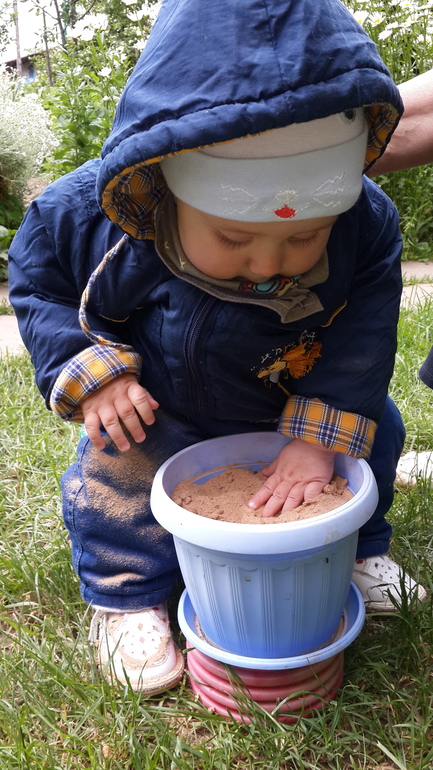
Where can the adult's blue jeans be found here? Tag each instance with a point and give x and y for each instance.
(123, 558)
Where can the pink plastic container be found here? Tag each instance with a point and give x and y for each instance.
(300, 691)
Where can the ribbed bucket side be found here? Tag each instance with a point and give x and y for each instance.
(268, 606)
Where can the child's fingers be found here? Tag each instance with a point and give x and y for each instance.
(110, 419)
(267, 470)
(263, 495)
(143, 402)
(285, 497)
(120, 405)
(125, 418)
(92, 424)
(298, 473)
(126, 412)
(313, 489)
(276, 497)
(136, 403)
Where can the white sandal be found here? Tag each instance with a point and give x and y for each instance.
(379, 579)
(136, 649)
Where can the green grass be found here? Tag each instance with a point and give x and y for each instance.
(57, 713)
(416, 281)
(414, 399)
(6, 308)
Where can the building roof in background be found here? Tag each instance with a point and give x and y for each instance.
(30, 31)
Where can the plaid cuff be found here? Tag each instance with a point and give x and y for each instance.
(381, 119)
(318, 423)
(87, 372)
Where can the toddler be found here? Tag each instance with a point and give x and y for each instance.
(251, 281)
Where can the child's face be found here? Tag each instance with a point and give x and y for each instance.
(256, 251)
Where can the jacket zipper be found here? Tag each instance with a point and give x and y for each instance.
(194, 369)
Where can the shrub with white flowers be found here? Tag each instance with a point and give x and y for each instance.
(26, 137)
(403, 33)
(402, 30)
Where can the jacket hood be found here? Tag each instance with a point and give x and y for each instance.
(213, 71)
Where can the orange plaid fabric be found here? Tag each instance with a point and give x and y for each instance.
(381, 120)
(318, 423)
(87, 372)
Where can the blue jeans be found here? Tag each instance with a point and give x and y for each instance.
(375, 535)
(123, 558)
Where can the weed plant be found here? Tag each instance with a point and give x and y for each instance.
(57, 713)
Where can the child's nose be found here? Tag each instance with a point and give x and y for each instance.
(267, 262)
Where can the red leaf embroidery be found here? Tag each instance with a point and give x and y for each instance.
(285, 212)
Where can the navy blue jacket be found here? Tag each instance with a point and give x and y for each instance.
(210, 72)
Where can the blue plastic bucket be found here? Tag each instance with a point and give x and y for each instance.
(352, 622)
(263, 591)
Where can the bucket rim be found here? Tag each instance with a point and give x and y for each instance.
(231, 537)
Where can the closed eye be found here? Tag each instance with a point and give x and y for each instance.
(304, 241)
(229, 242)
(232, 244)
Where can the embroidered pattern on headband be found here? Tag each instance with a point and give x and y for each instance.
(328, 195)
(286, 197)
(327, 192)
(244, 200)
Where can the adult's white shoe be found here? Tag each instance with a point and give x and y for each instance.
(414, 466)
(136, 648)
(379, 579)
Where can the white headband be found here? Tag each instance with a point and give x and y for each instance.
(303, 171)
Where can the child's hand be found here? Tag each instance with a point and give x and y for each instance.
(300, 472)
(121, 399)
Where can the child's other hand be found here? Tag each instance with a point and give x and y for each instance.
(300, 472)
(121, 399)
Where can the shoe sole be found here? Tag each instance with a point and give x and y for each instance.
(154, 686)
(390, 607)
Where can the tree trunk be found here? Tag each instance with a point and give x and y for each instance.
(47, 52)
(17, 39)
(60, 23)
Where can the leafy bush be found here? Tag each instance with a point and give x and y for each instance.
(26, 139)
(90, 73)
(6, 236)
(403, 33)
(90, 79)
